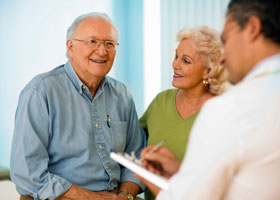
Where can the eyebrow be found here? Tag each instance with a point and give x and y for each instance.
(95, 38)
(186, 55)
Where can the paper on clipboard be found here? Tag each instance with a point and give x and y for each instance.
(157, 180)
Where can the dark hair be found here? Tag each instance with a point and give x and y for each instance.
(268, 11)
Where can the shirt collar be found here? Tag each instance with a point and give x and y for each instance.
(267, 66)
(103, 82)
(73, 76)
(79, 85)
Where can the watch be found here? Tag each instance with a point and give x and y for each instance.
(127, 194)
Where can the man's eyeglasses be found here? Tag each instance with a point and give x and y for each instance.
(109, 45)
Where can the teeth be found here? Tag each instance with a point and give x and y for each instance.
(98, 61)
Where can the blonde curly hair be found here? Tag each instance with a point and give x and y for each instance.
(207, 42)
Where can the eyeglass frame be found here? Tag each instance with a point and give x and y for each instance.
(87, 42)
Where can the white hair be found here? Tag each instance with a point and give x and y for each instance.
(71, 30)
(207, 42)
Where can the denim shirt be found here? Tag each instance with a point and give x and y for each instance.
(63, 136)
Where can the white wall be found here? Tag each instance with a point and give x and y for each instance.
(32, 41)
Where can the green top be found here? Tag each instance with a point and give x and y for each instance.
(161, 121)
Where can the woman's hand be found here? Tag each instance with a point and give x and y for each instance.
(162, 162)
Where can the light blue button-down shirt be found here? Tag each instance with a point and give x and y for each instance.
(63, 136)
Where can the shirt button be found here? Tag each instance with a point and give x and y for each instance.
(100, 146)
(96, 125)
(81, 92)
(109, 186)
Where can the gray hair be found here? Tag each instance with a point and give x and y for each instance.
(71, 30)
(266, 10)
(207, 42)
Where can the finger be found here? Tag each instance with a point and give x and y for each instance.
(145, 163)
(147, 149)
(166, 152)
(155, 169)
(162, 156)
(154, 157)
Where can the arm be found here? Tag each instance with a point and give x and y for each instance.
(76, 192)
(29, 155)
(136, 141)
(129, 187)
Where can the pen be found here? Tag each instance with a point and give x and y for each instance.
(154, 149)
(108, 121)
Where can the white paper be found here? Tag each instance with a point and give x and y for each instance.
(157, 180)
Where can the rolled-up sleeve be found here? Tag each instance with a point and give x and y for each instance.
(29, 154)
(136, 141)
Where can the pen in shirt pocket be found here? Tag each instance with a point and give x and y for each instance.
(108, 121)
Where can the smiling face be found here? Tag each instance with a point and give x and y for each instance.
(91, 64)
(188, 66)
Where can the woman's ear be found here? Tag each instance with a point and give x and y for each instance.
(206, 73)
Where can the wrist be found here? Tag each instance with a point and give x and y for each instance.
(126, 194)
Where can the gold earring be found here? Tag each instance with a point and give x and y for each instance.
(205, 82)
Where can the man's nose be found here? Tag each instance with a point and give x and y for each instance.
(101, 49)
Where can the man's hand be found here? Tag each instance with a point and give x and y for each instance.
(78, 193)
(162, 161)
(130, 187)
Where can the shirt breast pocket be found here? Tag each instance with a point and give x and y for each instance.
(118, 135)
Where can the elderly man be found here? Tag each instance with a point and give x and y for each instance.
(68, 121)
(234, 151)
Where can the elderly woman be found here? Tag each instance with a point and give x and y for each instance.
(198, 76)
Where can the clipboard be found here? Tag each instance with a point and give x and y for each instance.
(157, 180)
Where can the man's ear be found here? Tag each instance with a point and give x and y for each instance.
(254, 27)
(69, 45)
